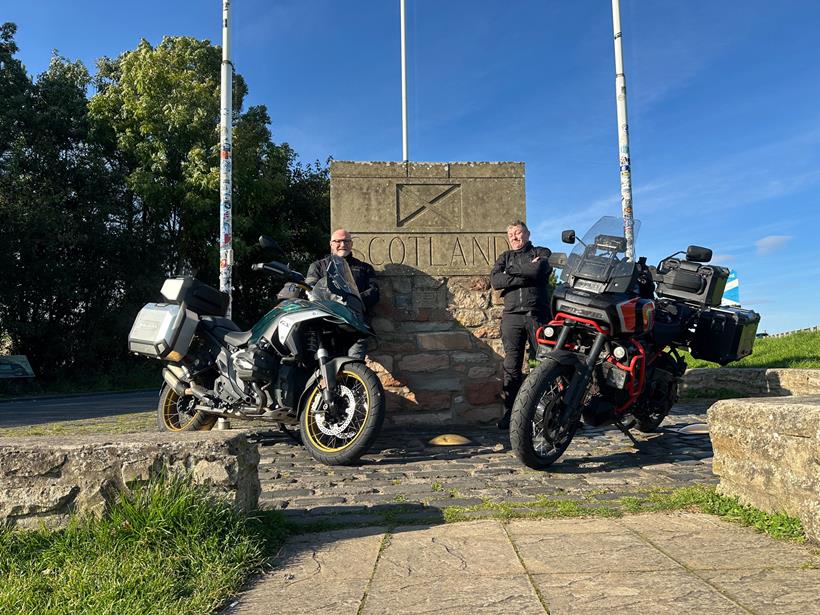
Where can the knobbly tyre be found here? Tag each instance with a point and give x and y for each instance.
(291, 368)
(610, 354)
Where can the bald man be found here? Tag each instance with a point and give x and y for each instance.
(341, 244)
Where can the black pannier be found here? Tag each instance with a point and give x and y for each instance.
(724, 334)
(702, 285)
(198, 297)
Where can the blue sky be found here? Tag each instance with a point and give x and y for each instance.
(724, 106)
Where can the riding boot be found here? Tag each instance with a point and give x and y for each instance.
(504, 421)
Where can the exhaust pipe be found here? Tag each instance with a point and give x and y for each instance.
(172, 381)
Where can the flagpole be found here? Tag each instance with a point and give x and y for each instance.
(623, 136)
(225, 164)
(405, 156)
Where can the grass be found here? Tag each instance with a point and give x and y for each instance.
(169, 547)
(798, 350)
(121, 423)
(698, 499)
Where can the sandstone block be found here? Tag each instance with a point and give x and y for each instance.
(754, 382)
(383, 325)
(482, 372)
(444, 341)
(483, 393)
(488, 332)
(470, 318)
(379, 363)
(424, 362)
(469, 299)
(767, 452)
(47, 479)
(431, 401)
(470, 357)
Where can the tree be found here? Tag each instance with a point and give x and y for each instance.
(57, 200)
(102, 199)
(160, 106)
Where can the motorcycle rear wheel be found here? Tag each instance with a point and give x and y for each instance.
(342, 440)
(536, 436)
(174, 413)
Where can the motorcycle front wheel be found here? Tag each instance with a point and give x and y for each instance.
(537, 435)
(340, 437)
(175, 413)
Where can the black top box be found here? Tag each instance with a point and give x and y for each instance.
(701, 285)
(197, 296)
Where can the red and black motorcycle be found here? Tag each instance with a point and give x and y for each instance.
(610, 354)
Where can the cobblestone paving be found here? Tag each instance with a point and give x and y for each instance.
(405, 474)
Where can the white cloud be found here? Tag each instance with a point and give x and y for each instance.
(723, 259)
(771, 244)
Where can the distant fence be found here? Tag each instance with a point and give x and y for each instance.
(785, 333)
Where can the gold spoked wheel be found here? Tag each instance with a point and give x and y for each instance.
(341, 435)
(176, 413)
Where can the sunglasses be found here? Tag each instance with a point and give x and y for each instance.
(341, 241)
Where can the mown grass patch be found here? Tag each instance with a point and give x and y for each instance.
(798, 350)
(118, 424)
(707, 500)
(699, 498)
(540, 508)
(169, 547)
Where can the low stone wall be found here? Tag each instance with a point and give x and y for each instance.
(44, 480)
(752, 382)
(767, 453)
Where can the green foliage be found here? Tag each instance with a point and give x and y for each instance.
(800, 349)
(169, 547)
(707, 500)
(101, 199)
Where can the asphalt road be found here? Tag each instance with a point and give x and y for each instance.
(73, 407)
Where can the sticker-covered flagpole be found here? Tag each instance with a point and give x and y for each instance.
(225, 160)
(404, 152)
(623, 136)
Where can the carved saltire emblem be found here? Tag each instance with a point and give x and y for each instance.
(436, 206)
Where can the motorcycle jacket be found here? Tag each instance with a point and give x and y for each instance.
(524, 283)
(363, 274)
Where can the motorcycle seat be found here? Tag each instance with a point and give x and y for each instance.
(218, 322)
(237, 338)
(226, 330)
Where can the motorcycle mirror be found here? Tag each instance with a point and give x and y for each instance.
(568, 236)
(267, 242)
(698, 254)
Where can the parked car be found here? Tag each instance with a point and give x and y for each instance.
(11, 369)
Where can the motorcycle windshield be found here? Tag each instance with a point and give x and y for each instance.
(338, 285)
(601, 255)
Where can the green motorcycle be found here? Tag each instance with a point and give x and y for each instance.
(291, 368)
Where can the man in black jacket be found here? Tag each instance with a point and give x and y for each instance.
(522, 275)
(341, 244)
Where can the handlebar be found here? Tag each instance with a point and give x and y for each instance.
(279, 269)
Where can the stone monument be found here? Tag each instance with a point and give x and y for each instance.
(433, 231)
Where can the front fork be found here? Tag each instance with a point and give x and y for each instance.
(328, 376)
(581, 377)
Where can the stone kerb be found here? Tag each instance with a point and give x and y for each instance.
(44, 480)
(753, 382)
(432, 231)
(767, 453)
